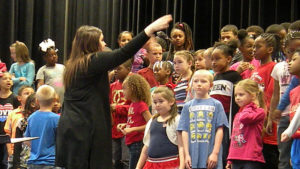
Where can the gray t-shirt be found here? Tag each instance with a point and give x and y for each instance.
(53, 76)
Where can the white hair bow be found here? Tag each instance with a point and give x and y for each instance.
(46, 44)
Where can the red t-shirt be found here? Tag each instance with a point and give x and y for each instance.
(135, 119)
(295, 102)
(265, 81)
(148, 74)
(116, 96)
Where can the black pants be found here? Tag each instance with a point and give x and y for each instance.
(271, 155)
(225, 145)
(240, 164)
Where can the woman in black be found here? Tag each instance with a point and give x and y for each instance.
(84, 129)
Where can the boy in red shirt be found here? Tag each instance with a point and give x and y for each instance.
(154, 54)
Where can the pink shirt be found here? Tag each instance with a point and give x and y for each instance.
(247, 73)
(135, 119)
(246, 138)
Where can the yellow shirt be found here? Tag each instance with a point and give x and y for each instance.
(11, 125)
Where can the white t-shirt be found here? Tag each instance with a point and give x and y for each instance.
(281, 74)
(53, 76)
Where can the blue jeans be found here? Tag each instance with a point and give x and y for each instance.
(284, 148)
(120, 153)
(35, 166)
(135, 152)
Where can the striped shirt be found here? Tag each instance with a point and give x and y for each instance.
(180, 94)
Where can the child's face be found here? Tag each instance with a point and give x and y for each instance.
(227, 36)
(56, 105)
(34, 105)
(125, 38)
(294, 67)
(219, 61)
(154, 54)
(25, 93)
(102, 44)
(207, 59)
(181, 65)
(201, 84)
(126, 91)
(121, 72)
(247, 49)
(161, 74)
(13, 53)
(261, 50)
(161, 105)
(200, 62)
(6, 81)
(242, 97)
(177, 37)
(291, 47)
(51, 58)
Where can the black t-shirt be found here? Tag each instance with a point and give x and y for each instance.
(6, 106)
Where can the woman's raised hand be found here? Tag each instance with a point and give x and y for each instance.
(159, 24)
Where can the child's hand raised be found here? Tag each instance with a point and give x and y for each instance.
(212, 161)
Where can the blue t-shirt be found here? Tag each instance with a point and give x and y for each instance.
(42, 125)
(201, 118)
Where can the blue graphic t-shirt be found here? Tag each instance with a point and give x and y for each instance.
(201, 118)
(6, 106)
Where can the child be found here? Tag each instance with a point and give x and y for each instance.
(23, 70)
(295, 102)
(43, 124)
(12, 50)
(56, 105)
(181, 39)
(51, 73)
(183, 61)
(282, 79)
(281, 32)
(223, 86)
(119, 109)
(22, 150)
(201, 123)
(229, 33)
(136, 89)
(254, 31)
(246, 140)
(264, 46)
(154, 54)
(248, 63)
(207, 57)
(163, 71)
(163, 144)
(124, 37)
(199, 60)
(8, 102)
(13, 118)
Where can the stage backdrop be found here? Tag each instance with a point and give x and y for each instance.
(31, 21)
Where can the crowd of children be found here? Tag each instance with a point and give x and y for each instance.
(234, 105)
